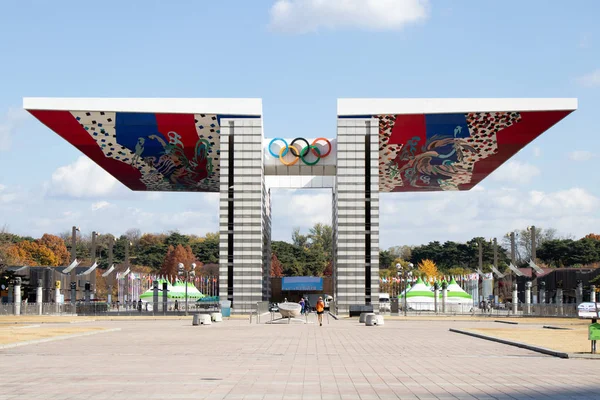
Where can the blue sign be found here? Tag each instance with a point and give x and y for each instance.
(302, 283)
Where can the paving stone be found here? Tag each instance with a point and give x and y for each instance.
(172, 359)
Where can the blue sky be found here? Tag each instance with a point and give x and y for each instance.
(299, 57)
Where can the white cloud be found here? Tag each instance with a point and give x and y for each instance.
(10, 196)
(581, 155)
(302, 16)
(460, 216)
(515, 172)
(83, 179)
(8, 125)
(590, 80)
(100, 205)
(298, 209)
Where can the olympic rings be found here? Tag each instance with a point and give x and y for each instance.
(300, 153)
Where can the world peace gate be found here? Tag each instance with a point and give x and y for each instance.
(218, 145)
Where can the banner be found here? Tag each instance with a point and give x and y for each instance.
(302, 283)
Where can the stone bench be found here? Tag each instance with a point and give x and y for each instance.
(363, 317)
(201, 319)
(373, 320)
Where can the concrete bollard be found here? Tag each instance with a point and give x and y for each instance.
(374, 320)
(363, 317)
(17, 295)
(196, 320)
(204, 319)
(542, 286)
(216, 317)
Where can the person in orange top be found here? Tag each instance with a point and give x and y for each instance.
(320, 309)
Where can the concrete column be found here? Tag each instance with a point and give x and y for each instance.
(515, 299)
(559, 300)
(57, 299)
(39, 296)
(87, 292)
(436, 300)
(73, 293)
(17, 294)
(593, 293)
(164, 297)
(444, 296)
(579, 292)
(528, 298)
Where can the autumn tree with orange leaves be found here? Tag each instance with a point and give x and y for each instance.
(176, 255)
(276, 267)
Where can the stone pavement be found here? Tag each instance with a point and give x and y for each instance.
(171, 359)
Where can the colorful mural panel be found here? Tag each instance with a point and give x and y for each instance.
(146, 151)
(433, 152)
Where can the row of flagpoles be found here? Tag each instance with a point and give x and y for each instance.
(132, 284)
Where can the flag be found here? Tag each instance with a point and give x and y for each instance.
(497, 272)
(515, 269)
(537, 269)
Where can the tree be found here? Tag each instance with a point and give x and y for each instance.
(385, 259)
(206, 249)
(16, 255)
(175, 238)
(403, 252)
(37, 254)
(428, 269)
(321, 235)
(176, 255)
(298, 239)
(592, 236)
(328, 271)
(57, 246)
(276, 267)
(523, 242)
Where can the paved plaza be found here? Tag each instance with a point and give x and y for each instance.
(171, 359)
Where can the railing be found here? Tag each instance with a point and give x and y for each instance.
(114, 309)
(522, 310)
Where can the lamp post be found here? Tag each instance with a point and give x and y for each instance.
(182, 271)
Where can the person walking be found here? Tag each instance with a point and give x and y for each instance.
(307, 306)
(320, 306)
(140, 305)
(176, 305)
(301, 302)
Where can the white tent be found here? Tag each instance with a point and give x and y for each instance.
(457, 299)
(456, 294)
(419, 297)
